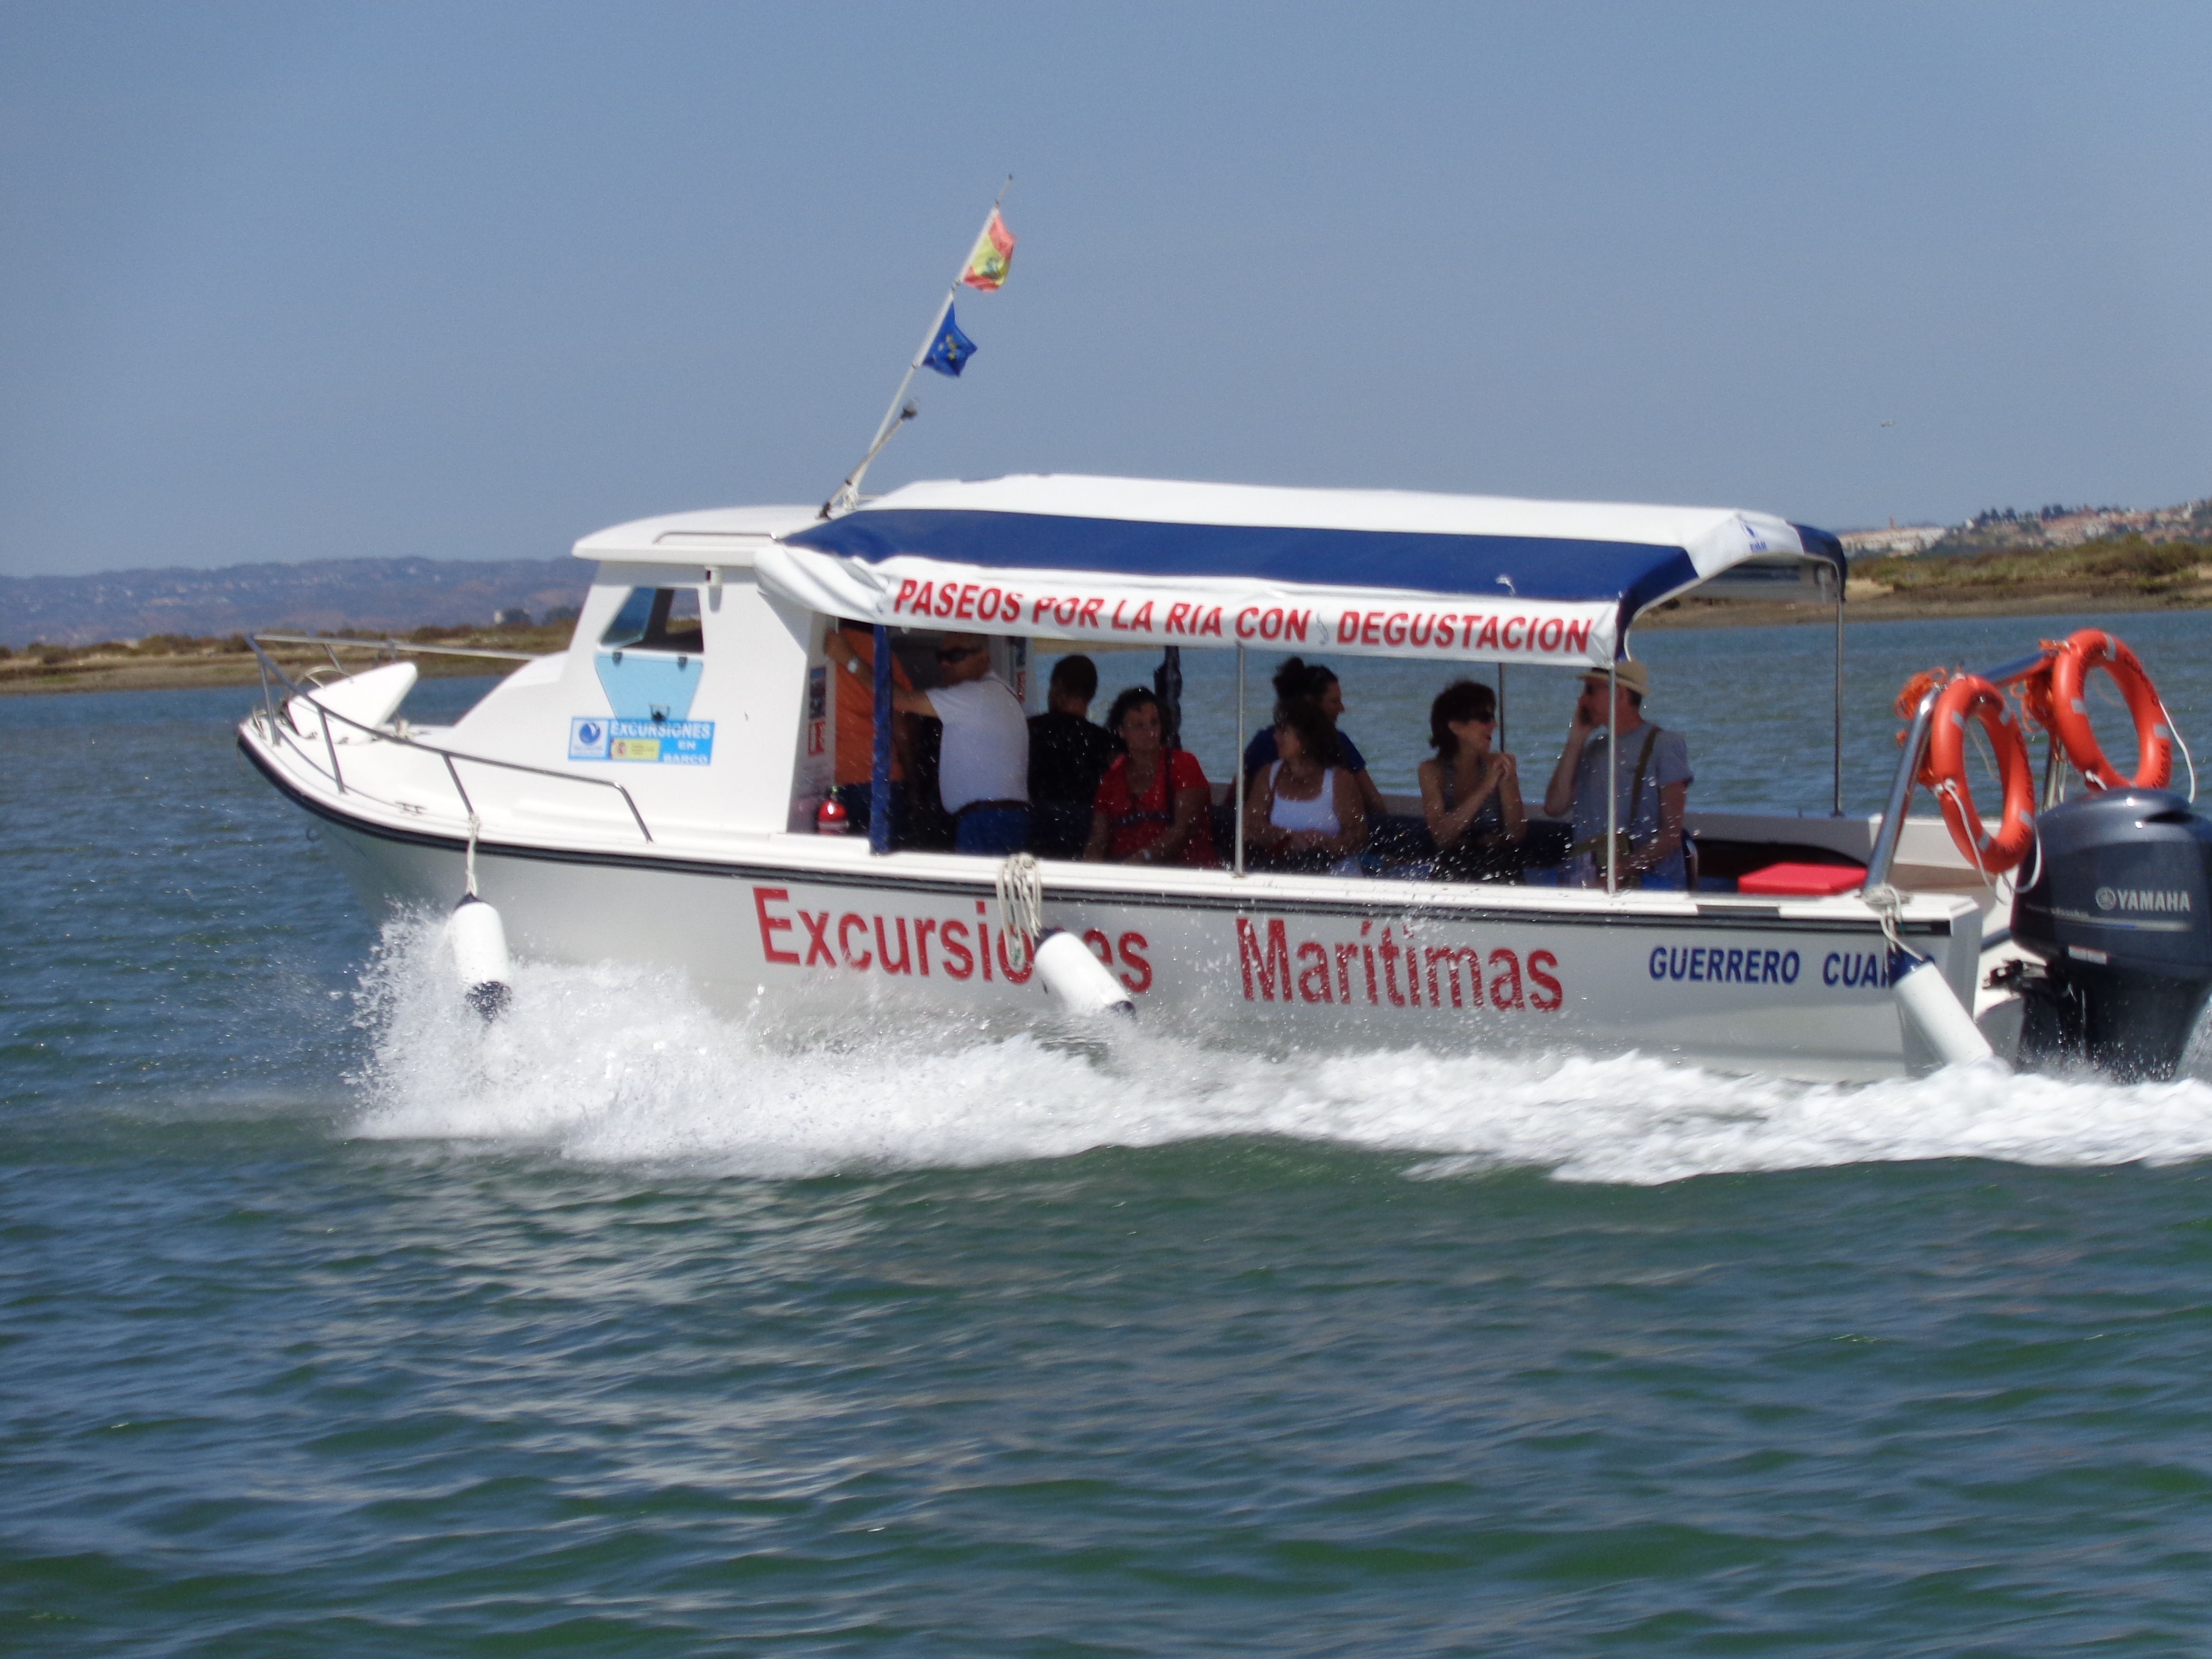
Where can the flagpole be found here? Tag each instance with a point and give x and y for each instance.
(848, 493)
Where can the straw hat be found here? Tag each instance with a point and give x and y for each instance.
(1633, 675)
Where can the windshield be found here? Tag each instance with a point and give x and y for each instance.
(658, 619)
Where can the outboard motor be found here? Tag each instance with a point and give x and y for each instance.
(2121, 912)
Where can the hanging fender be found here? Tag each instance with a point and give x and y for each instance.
(2069, 712)
(1076, 980)
(1972, 697)
(1925, 1003)
(478, 938)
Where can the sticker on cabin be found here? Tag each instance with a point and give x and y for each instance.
(654, 743)
(817, 710)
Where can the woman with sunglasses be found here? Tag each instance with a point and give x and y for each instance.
(1471, 792)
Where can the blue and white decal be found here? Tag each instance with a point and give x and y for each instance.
(643, 685)
(655, 743)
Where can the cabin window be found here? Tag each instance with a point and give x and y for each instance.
(658, 619)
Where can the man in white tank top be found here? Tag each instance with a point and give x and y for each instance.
(983, 767)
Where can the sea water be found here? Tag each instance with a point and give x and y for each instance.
(330, 1322)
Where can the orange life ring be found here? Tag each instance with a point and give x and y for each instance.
(1971, 696)
(2070, 712)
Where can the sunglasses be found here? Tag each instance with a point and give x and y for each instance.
(958, 653)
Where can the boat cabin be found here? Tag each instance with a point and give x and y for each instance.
(696, 677)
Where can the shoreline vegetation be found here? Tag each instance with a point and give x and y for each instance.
(175, 662)
(2128, 573)
(2125, 573)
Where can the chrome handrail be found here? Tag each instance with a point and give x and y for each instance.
(1900, 793)
(328, 642)
(1908, 768)
(269, 665)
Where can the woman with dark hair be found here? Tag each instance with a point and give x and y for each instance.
(1471, 792)
(1154, 804)
(1304, 811)
(1300, 681)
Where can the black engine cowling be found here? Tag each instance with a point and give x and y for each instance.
(2121, 911)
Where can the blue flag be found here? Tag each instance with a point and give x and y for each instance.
(949, 352)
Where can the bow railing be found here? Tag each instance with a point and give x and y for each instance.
(275, 721)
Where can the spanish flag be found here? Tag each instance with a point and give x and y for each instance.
(994, 252)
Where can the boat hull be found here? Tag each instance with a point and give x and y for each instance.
(1720, 985)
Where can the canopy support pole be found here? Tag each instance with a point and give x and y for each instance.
(1500, 740)
(1840, 697)
(879, 781)
(1239, 762)
(1612, 776)
(1167, 684)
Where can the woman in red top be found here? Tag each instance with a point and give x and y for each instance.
(1154, 804)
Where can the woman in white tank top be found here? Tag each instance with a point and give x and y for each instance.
(1304, 812)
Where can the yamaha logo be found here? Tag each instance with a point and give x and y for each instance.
(2141, 898)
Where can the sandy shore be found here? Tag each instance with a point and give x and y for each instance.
(1881, 605)
(26, 676)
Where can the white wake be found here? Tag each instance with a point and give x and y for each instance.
(614, 1063)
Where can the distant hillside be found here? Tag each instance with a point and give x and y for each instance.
(2130, 571)
(2015, 530)
(2004, 530)
(377, 595)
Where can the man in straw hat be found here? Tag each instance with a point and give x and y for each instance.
(1652, 779)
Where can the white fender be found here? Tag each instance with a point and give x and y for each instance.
(479, 941)
(1077, 980)
(1925, 1000)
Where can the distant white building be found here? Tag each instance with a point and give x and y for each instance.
(1896, 541)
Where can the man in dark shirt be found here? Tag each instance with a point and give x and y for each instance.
(1067, 756)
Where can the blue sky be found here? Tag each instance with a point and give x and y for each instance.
(297, 281)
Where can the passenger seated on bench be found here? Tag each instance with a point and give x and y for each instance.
(1154, 804)
(1304, 811)
(1298, 680)
(1471, 792)
(1067, 757)
(1652, 776)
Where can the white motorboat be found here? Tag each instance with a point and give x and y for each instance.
(650, 795)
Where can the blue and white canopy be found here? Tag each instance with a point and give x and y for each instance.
(1140, 561)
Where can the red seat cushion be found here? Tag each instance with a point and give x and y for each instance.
(1803, 880)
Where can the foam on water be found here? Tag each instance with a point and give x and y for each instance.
(617, 1063)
